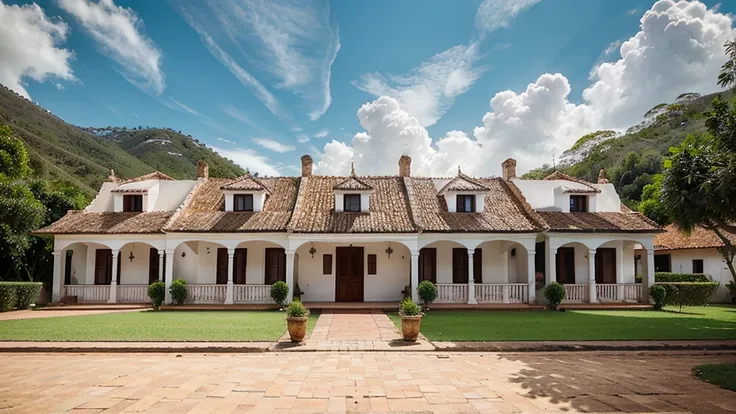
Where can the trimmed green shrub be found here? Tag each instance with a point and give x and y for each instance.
(427, 292)
(279, 292)
(296, 309)
(18, 295)
(658, 294)
(157, 293)
(555, 293)
(667, 277)
(689, 293)
(409, 308)
(178, 290)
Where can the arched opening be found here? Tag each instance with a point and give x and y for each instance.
(138, 265)
(86, 272)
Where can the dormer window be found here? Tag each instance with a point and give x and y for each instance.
(132, 203)
(578, 204)
(351, 203)
(465, 203)
(243, 202)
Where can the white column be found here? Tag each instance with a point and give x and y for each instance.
(58, 282)
(620, 271)
(531, 276)
(471, 279)
(114, 281)
(414, 275)
(230, 267)
(551, 266)
(169, 274)
(648, 278)
(592, 293)
(290, 275)
(160, 265)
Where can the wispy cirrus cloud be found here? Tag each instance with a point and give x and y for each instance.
(176, 105)
(322, 133)
(495, 14)
(290, 44)
(118, 31)
(273, 145)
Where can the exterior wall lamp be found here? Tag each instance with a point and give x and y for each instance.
(131, 257)
(389, 250)
(312, 251)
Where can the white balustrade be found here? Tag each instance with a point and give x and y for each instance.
(575, 293)
(88, 293)
(452, 293)
(252, 294)
(502, 293)
(621, 292)
(133, 293)
(206, 293)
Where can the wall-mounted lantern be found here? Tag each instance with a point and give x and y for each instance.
(389, 250)
(312, 251)
(131, 257)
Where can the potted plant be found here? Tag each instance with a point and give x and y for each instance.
(411, 319)
(296, 320)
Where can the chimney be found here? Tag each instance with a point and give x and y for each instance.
(508, 169)
(602, 177)
(306, 166)
(203, 170)
(404, 166)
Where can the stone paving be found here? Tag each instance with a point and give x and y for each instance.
(360, 382)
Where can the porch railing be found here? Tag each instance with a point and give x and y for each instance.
(206, 293)
(621, 292)
(502, 293)
(88, 293)
(452, 293)
(132, 293)
(252, 294)
(576, 293)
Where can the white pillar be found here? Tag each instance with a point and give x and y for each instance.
(531, 276)
(169, 274)
(230, 267)
(592, 293)
(648, 278)
(551, 266)
(471, 279)
(160, 265)
(414, 275)
(114, 281)
(290, 275)
(58, 282)
(620, 271)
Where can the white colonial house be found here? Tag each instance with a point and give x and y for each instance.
(354, 238)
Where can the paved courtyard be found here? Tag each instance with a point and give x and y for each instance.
(359, 382)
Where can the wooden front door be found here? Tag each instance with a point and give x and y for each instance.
(605, 265)
(103, 266)
(275, 265)
(566, 265)
(349, 274)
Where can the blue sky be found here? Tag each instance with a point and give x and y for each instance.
(264, 85)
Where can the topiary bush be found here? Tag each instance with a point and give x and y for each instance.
(668, 277)
(296, 309)
(689, 293)
(427, 292)
(555, 293)
(178, 290)
(157, 293)
(658, 294)
(279, 292)
(18, 295)
(409, 308)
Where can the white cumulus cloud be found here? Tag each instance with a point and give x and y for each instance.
(679, 48)
(273, 145)
(30, 47)
(118, 32)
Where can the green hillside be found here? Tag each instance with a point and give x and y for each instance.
(65, 152)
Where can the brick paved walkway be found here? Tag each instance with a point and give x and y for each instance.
(350, 382)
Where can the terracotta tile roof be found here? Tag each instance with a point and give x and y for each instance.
(610, 222)
(130, 190)
(503, 211)
(246, 183)
(315, 208)
(353, 183)
(463, 183)
(204, 210)
(557, 175)
(156, 175)
(581, 190)
(700, 238)
(86, 222)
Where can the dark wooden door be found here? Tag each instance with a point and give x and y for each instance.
(427, 264)
(103, 266)
(605, 265)
(566, 265)
(221, 278)
(459, 265)
(153, 265)
(275, 265)
(239, 263)
(68, 267)
(349, 274)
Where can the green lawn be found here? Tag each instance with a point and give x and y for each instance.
(152, 326)
(723, 375)
(712, 322)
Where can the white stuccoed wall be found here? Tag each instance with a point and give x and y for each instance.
(713, 266)
(542, 195)
(135, 272)
(79, 264)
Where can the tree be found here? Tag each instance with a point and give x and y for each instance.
(650, 205)
(727, 76)
(13, 154)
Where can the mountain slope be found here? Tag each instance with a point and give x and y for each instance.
(62, 151)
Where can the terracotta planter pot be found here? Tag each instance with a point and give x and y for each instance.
(410, 327)
(297, 327)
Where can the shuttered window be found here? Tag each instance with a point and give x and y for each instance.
(326, 264)
(351, 202)
(243, 202)
(372, 265)
(132, 203)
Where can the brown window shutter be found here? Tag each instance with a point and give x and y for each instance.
(221, 266)
(326, 264)
(459, 265)
(372, 265)
(239, 266)
(478, 266)
(428, 264)
(153, 265)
